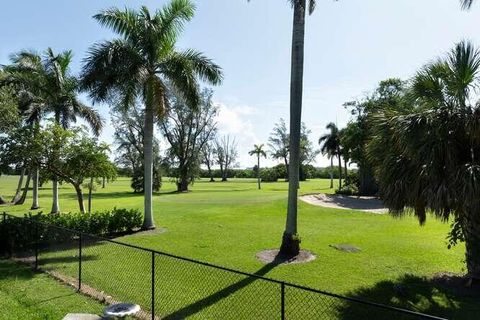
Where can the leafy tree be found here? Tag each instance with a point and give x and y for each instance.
(208, 157)
(138, 64)
(81, 157)
(128, 138)
(278, 144)
(226, 152)
(188, 130)
(425, 157)
(390, 94)
(259, 152)
(307, 151)
(46, 85)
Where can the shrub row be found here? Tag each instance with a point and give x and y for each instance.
(99, 223)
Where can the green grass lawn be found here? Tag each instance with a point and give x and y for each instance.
(35, 296)
(228, 223)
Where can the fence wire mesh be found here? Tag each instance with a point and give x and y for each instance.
(171, 287)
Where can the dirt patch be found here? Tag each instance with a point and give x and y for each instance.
(151, 232)
(368, 204)
(271, 256)
(345, 248)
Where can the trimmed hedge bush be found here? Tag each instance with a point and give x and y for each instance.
(98, 223)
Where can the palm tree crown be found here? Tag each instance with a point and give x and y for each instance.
(425, 158)
(141, 63)
(258, 150)
(330, 142)
(46, 85)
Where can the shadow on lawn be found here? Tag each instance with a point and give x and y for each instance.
(414, 293)
(10, 269)
(198, 306)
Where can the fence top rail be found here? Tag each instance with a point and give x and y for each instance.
(211, 265)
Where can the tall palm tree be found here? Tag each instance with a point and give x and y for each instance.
(140, 63)
(46, 86)
(259, 152)
(290, 241)
(330, 145)
(426, 158)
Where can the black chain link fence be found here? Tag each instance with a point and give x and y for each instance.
(171, 287)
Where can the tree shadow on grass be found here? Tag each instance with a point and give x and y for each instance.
(65, 259)
(214, 298)
(11, 269)
(419, 294)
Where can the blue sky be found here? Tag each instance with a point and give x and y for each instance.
(350, 46)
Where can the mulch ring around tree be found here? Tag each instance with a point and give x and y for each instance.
(272, 256)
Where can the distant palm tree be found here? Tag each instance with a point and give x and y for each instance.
(290, 241)
(330, 145)
(46, 86)
(426, 158)
(259, 152)
(141, 63)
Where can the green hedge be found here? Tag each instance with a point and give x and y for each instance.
(98, 223)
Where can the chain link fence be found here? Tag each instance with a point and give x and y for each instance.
(172, 287)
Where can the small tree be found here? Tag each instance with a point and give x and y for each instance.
(278, 143)
(259, 152)
(187, 132)
(226, 151)
(81, 157)
(208, 157)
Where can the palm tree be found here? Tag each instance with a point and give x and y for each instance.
(259, 152)
(466, 4)
(46, 86)
(290, 241)
(425, 158)
(330, 143)
(141, 63)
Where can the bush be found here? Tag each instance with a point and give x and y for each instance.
(347, 190)
(268, 175)
(97, 223)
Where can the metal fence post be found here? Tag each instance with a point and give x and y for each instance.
(282, 286)
(153, 285)
(79, 261)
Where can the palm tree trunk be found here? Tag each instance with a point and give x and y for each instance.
(90, 188)
(79, 192)
(148, 222)
(35, 178)
(23, 197)
(55, 205)
(471, 232)
(290, 240)
(339, 172)
(19, 186)
(331, 172)
(258, 171)
(346, 170)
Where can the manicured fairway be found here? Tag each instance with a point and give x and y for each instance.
(228, 223)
